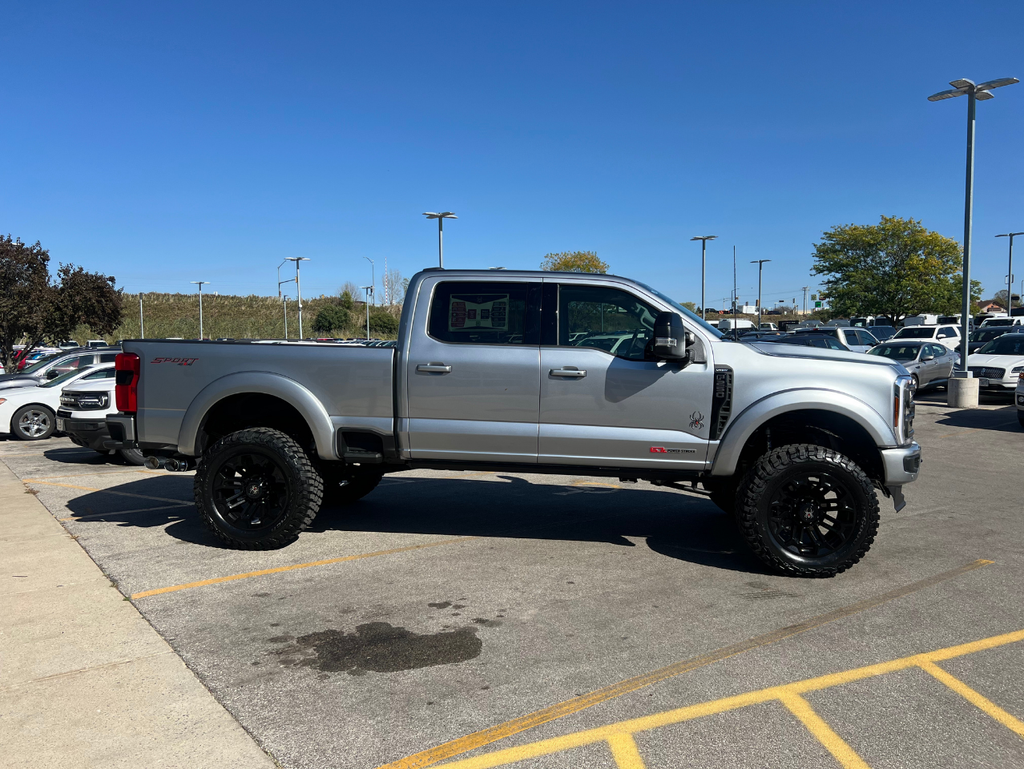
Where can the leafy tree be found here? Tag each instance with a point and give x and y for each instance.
(1000, 298)
(354, 292)
(36, 310)
(332, 318)
(691, 306)
(895, 268)
(347, 303)
(574, 261)
(383, 323)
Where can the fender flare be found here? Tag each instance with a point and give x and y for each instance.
(263, 383)
(798, 399)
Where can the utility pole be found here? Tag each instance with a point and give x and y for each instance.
(373, 280)
(760, 268)
(298, 288)
(200, 283)
(142, 325)
(285, 298)
(1009, 274)
(805, 290)
(369, 293)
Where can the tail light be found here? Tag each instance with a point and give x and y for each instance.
(126, 379)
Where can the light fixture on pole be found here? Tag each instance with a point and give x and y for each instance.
(964, 87)
(200, 283)
(1009, 274)
(373, 280)
(703, 247)
(369, 293)
(760, 268)
(284, 299)
(298, 287)
(440, 219)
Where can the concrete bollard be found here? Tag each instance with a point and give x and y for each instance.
(962, 393)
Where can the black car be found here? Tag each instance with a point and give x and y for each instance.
(59, 363)
(985, 335)
(808, 340)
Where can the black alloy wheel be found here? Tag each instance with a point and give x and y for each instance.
(808, 511)
(257, 489)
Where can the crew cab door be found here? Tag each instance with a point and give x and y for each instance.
(473, 371)
(602, 400)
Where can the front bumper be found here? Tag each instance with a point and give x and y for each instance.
(901, 465)
(91, 433)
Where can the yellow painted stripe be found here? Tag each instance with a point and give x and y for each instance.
(560, 710)
(109, 491)
(597, 483)
(625, 752)
(294, 567)
(982, 703)
(787, 693)
(822, 732)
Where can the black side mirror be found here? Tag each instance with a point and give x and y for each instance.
(52, 374)
(669, 337)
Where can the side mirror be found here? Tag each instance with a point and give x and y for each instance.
(669, 337)
(52, 374)
(928, 356)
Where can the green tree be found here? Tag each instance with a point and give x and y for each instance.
(347, 302)
(35, 309)
(691, 306)
(332, 318)
(383, 323)
(574, 261)
(895, 268)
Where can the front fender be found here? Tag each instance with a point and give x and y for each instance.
(264, 383)
(802, 399)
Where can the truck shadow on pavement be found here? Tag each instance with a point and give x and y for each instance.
(675, 525)
(1002, 420)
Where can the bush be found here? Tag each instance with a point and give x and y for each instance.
(331, 318)
(383, 323)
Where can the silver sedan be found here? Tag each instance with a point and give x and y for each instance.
(928, 362)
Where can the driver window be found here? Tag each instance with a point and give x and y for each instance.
(605, 318)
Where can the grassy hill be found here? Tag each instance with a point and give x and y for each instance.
(236, 317)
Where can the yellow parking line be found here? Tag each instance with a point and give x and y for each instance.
(822, 732)
(787, 694)
(597, 483)
(625, 752)
(491, 734)
(985, 705)
(109, 491)
(281, 569)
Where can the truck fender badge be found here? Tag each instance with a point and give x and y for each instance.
(179, 361)
(663, 450)
(697, 420)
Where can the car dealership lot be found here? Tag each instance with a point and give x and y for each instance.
(493, 617)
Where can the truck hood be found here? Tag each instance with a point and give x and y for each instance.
(777, 350)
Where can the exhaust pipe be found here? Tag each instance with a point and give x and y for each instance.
(154, 463)
(168, 463)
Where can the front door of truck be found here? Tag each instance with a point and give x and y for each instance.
(473, 372)
(602, 401)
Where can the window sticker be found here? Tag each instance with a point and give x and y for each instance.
(474, 312)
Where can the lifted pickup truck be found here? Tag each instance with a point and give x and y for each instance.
(532, 372)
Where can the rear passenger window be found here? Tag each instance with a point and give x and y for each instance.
(945, 333)
(485, 313)
(108, 357)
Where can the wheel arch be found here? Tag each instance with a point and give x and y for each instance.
(256, 399)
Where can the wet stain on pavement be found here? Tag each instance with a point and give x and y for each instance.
(378, 647)
(486, 622)
(440, 605)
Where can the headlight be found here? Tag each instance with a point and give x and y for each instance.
(1016, 369)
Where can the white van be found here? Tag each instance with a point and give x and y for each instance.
(1017, 320)
(728, 324)
(921, 320)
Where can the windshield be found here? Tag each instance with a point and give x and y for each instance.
(987, 334)
(690, 316)
(899, 352)
(58, 381)
(1007, 344)
(998, 322)
(915, 333)
(35, 367)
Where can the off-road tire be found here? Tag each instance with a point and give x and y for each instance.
(293, 485)
(132, 456)
(769, 490)
(33, 418)
(346, 485)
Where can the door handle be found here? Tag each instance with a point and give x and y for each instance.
(434, 368)
(568, 373)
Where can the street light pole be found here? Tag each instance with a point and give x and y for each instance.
(373, 280)
(142, 324)
(369, 293)
(703, 262)
(298, 287)
(440, 219)
(760, 267)
(200, 283)
(1009, 274)
(981, 91)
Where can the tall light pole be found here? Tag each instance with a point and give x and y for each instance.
(1009, 274)
(298, 287)
(974, 93)
(373, 280)
(200, 283)
(142, 325)
(369, 293)
(440, 226)
(703, 248)
(760, 268)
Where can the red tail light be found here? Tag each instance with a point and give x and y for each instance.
(126, 390)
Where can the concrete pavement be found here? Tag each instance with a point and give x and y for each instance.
(85, 681)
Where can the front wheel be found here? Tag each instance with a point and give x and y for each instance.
(33, 423)
(807, 511)
(257, 489)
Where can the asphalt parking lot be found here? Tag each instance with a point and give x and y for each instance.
(492, 619)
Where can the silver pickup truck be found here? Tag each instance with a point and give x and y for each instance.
(532, 372)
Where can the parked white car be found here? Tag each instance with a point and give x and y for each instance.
(946, 335)
(999, 363)
(1018, 396)
(30, 413)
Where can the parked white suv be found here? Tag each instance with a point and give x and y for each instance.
(1018, 397)
(84, 408)
(947, 336)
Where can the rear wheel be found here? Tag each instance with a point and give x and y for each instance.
(33, 423)
(807, 511)
(256, 489)
(132, 456)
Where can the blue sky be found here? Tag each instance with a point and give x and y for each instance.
(177, 142)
